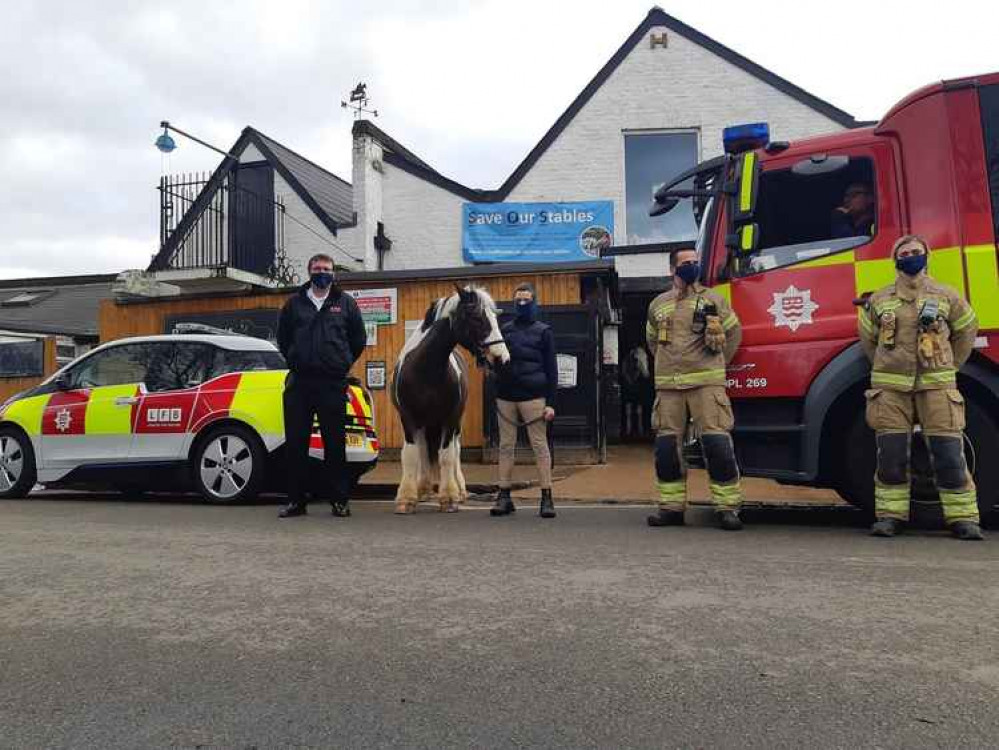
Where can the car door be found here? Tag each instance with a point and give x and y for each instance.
(90, 422)
(174, 376)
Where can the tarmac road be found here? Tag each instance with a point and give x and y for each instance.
(172, 624)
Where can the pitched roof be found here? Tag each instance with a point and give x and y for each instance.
(329, 197)
(657, 17)
(68, 306)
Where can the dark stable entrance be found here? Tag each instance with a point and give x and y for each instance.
(635, 368)
(577, 435)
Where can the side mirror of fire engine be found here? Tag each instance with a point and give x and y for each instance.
(745, 240)
(746, 184)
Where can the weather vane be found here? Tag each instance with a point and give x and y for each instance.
(359, 102)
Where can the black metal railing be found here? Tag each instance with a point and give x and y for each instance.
(234, 227)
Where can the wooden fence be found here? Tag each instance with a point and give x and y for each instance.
(119, 319)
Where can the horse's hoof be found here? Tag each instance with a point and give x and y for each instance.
(451, 507)
(404, 509)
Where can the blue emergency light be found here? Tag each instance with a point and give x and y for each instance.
(739, 138)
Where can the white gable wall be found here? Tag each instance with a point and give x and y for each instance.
(682, 87)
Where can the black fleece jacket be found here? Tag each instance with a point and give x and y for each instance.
(324, 342)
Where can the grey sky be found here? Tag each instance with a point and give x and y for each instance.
(469, 86)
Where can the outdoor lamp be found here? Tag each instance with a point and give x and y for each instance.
(165, 143)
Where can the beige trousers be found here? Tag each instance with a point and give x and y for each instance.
(510, 415)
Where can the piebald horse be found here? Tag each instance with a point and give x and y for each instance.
(429, 390)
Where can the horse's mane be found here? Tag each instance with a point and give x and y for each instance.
(445, 306)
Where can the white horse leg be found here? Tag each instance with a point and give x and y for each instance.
(407, 495)
(459, 476)
(450, 493)
(425, 477)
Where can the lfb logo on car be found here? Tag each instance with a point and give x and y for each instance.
(163, 416)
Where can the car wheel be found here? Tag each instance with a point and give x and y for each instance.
(17, 464)
(859, 461)
(227, 465)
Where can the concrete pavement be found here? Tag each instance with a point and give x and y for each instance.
(173, 624)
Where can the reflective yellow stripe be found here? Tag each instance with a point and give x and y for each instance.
(959, 506)
(103, 416)
(672, 492)
(936, 378)
(964, 321)
(890, 378)
(871, 275)
(836, 259)
(727, 495)
(746, 186)
(865, 321)
(945, 265)
(690, 378)
(730, 322)
(27, 413)
(983, 284)
(887, 305)
(747, 236)
(266, 413)
(650, 330)
(891, 501)
(666, 307)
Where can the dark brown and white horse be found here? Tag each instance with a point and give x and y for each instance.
(430, 388)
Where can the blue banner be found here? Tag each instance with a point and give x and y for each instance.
(536, 232)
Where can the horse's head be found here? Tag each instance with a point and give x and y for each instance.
(474, 322)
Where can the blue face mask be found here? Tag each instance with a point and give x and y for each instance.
(911, 265)
(525, 309)
(321, 280)
(689, 272)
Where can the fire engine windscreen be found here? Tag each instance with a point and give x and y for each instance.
(819, 206)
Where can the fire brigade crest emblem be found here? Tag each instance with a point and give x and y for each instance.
(63, 419)
(793, 308)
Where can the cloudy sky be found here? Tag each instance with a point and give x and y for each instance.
(470, 86)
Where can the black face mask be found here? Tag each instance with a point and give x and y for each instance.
(525, 309)
(321, 279)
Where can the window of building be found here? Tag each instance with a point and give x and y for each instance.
(26, 297)
(650, 160)
(817, 207)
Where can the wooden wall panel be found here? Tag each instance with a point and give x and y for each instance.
(414, 297)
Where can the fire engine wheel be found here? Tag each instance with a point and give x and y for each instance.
(859, 461)
(17, 464)
(227, 464)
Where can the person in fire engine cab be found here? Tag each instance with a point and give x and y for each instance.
(854, 217)
(693, 333)
(918, 332)
(321, 335)
(525, 396)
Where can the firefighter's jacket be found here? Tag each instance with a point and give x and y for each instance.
(917, 332)
(683, 358)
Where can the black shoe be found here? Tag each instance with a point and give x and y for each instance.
(293, 509)
(547, 507)
(666, 518)
(886, 527)
(967, 531)
(729, 520)
(504, 504)
(341, 508)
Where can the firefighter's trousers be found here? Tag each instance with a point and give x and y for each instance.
(710, 411)
(940, 413)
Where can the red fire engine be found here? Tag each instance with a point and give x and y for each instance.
(772, 240)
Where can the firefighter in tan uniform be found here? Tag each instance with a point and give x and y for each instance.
(918, 332)
(693, 333)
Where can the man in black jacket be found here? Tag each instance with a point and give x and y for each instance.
(525, 396)
(321, 334)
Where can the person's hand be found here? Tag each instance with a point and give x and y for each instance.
(548, 414)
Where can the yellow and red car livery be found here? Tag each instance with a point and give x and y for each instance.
(208, 403)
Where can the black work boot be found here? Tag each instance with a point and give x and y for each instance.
(886, 527)
(665, 517)
(967, 531)
(729, 520)
(293, 509)
(504, 503)
(341, 508)
(547, 507)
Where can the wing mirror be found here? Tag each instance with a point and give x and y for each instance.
(61, 382)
